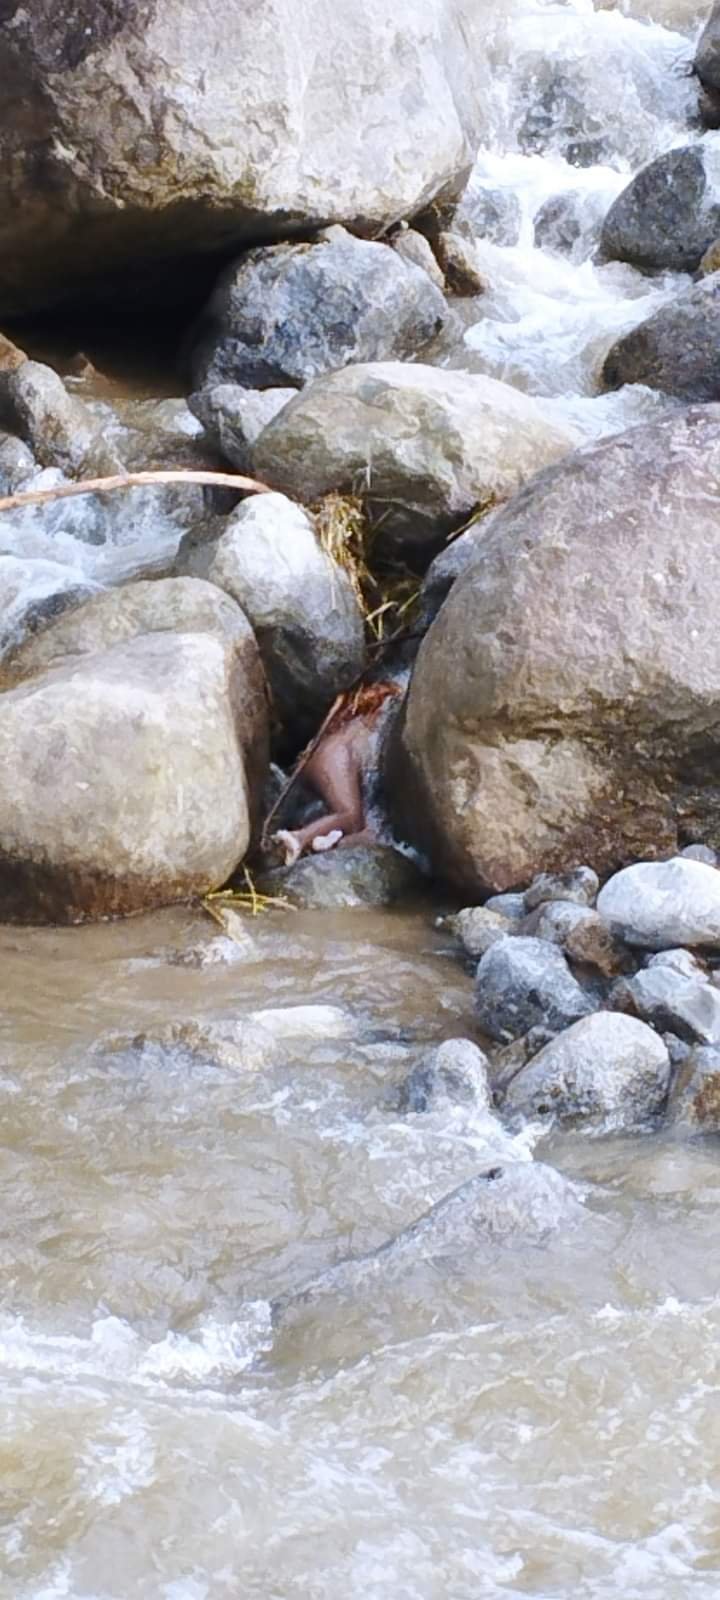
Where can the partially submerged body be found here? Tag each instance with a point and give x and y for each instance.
(336, 770)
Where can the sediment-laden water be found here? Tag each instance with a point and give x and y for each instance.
(520, 1421)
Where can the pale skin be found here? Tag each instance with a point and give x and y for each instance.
(335, 771)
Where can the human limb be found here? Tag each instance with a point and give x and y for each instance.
(335, 772)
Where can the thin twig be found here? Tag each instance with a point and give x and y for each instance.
(134, 480)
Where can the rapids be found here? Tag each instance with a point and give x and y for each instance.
(531, 1421)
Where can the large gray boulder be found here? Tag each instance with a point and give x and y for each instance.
(606, 1067)
(663, 904)
(424, 447)
(522, 983)
(565, 704)
(154, 130)
(123, 784)
(301, 603)
(670, 211)
(676, 350)
(286, 314)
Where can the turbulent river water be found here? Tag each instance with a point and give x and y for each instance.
(528, 1421)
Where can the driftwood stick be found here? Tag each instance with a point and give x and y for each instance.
(134, 480)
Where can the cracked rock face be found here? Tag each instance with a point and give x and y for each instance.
(565, 703)
(134, 131)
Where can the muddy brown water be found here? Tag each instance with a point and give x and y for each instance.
(528, 1422)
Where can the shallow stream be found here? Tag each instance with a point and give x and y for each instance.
(531, 1421)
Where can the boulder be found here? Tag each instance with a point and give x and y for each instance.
(454, 1072)
(288, 313)
(522, 983)
(695, 1100)
(670, 211)
(234, 418)
(671, 1002)
(139, 134)
(608, 1067)
(58, 427)
(677, 350)
(349, 878)
(425, 447)
(579, 885)
(478, 929)
(301, 603)
(124, 784)
(565, 703)
(661, 904)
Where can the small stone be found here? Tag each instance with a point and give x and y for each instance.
(583, 935)
(710, 263)
(668, 1000)
(455, 1071)
(682, 961)
(416, 249)
(11, 356)
(458, 259)
(695, 1100)
(700, 852)
(477, 928)
(522, 983)
(677, 1049)
(580, 886)
(662, 904)
(234, 417)
(606, 1066)
(509, 905)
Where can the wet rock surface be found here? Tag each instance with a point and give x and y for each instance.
(234, 115)
(676, 350)
(522, 982)
(300, 602)
(671, 1001)
(670, 211)
(607, 1066)
(455, 1072)
(424, 447)
(525, 743)
(350, 876)
(285, 315)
